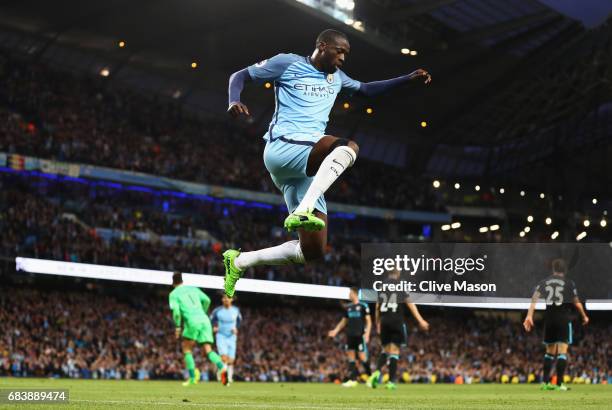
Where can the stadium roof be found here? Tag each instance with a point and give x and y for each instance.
(510, 76)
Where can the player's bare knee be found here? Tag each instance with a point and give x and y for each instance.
(354, 146)
(313, 253)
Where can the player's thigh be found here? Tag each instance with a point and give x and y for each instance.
(556, 333)
(285, 160)
(226, 346)
(363, 356)
(551, 349)
(321, 149)
(350, 354)
(391, 348)
(562, 348)
(313, 244)
(205, 333)
(221, 342)
(190, 333)
(232, 349)
(187, 345)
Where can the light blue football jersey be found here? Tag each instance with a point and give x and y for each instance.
(226, 319)
(304, 95)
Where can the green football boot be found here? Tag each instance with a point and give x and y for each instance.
(373, 379)
(390, 386)
(190, 382)
(548, 386)
(232, 273)
(350, 383)
(305, 220)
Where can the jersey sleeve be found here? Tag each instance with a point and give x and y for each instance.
(238, 318)
(204, 300)
(573, 290)
(176, 310)
(214, 317)
(366, 309)
(349, 85)
(272, 68)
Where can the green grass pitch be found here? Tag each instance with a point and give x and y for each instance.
(98, 394)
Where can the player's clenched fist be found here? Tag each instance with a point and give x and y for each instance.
(528, 324)
(420, 73)
(237, 108)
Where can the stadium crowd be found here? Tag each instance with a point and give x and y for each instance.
(61, 226)
(56, 115)
(87, 334)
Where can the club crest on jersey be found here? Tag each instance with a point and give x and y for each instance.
(261, 63)
(330, 78)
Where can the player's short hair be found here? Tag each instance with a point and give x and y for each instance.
(177, 278)
(559, 266)
(330, 36)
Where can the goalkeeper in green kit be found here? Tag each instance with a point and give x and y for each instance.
(189, 306)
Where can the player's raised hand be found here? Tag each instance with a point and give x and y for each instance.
(331, 334)
(420, 73)
(237, 108)
(528, 324)
(585, 320)
(424, 325)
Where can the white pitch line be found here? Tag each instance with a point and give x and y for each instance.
(208, 403)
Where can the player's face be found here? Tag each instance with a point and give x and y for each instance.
(227, 302)
(334, 54)
(353, 296)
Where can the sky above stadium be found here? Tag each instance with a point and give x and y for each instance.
(591, 12)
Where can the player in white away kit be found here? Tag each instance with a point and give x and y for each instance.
(302, 160)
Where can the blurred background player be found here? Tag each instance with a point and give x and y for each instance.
(358, 324)
(225, 320)
(559, 293)
(391, 326)
(302, 160)
(189, 306)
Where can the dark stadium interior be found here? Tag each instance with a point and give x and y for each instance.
(518, 136)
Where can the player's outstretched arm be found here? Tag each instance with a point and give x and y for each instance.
(580, 308)
(378, 87)
(176, 315)
(528, 322)
(238, 321)
(368, 328)
(377, 318)
(423, 324)
(236, 85)
(204, 300)
(214, 320)
(334, 332)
